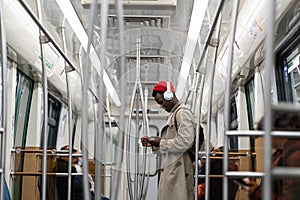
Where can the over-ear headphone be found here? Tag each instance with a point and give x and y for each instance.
(168, 95)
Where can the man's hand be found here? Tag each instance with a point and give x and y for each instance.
(155, 141)
(149, 141)
(145, 141)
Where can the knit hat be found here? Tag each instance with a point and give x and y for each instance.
(161, 86)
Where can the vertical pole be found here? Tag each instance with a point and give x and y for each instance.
(84, 132)
(4, 97)
(209, 112)
(44, 39)
(268, 117)
(69, 112)
(202, 76)
(119, 150)
(227, 109)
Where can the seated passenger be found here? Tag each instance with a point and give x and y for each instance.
(62, 164)
(78, 166)
(76, 180)
(287, 153)
(216, 183)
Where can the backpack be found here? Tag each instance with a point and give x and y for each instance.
(192, 150)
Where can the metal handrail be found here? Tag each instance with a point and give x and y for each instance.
(119, 152)
(228, 91)
(209, 113)
(210, 33)
(4, 100)
(138, 188)
(269, 61)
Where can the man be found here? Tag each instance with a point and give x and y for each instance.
(176, 179)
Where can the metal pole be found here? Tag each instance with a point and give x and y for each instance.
(136, 157)
(210, 33)
(227, 109)
(43, 40)
(129, 179)
(4, 98)
(268, 100)
(69, 113)
(119, 149)
(197, 135)
(209, 114)
(146, 127)
(110, 136)
(84, 132)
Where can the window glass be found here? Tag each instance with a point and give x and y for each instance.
(23, 102)
(292, 74)
(54, 109)
(288, 73)
(249, 89)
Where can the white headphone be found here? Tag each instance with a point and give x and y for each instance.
(168, 95)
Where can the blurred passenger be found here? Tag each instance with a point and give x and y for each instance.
(62, 164)
(78, 166)
(176, 179)
(287, 154)
(216, 184)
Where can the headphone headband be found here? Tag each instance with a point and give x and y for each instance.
(168, 95)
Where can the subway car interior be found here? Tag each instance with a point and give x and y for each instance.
(77, 78)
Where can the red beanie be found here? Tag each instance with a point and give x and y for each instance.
(161, 86)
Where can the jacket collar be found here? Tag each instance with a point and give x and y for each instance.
(179, 103)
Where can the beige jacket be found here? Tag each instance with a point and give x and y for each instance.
(176, 176)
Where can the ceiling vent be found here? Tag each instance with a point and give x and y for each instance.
(144, 59)
(140, 21)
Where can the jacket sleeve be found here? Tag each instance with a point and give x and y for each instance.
(184, 135)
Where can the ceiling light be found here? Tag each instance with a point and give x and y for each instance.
(70, 14)
(197, 18)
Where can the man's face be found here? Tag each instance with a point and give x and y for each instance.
(166, 105)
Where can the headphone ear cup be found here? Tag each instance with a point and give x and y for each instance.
(168, 95)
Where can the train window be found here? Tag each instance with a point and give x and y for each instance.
(291, 64)
(249, 90)
(288, 73)
(23, 101)
(233, 141)
(54, 109)
(111, 133)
